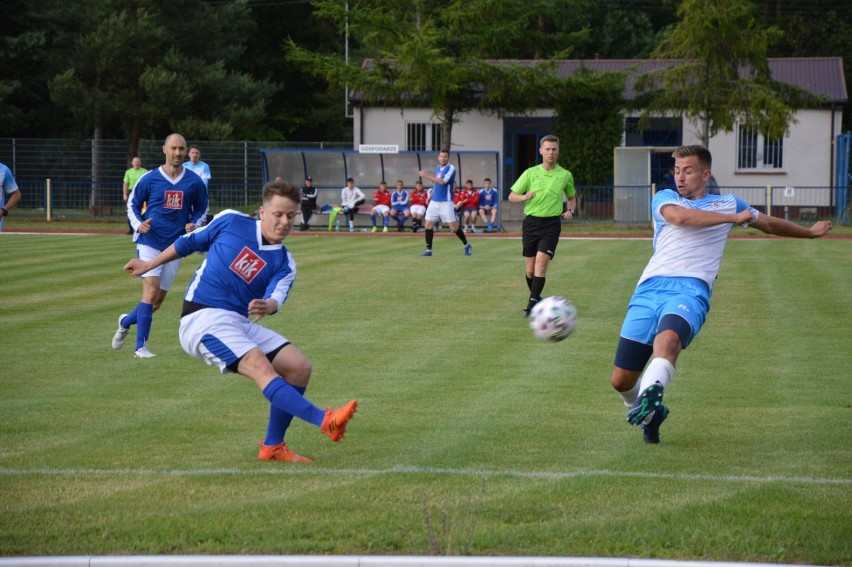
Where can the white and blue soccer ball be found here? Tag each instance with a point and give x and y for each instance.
(553, 319)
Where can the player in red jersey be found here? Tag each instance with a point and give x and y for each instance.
(419, 199)
(469, 206)
(381, 206)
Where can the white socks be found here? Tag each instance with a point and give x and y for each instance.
(630, 395)
(659, 370)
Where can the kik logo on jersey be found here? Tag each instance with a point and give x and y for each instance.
(247, 264)
(174, 200)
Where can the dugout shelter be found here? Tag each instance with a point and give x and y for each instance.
(329, 169)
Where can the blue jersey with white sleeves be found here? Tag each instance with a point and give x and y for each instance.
(170, 204)
(444, 191)
(239, 267)
(690, 252)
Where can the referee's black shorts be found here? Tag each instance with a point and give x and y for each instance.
(541, 234)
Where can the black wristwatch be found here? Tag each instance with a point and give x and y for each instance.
(5, 212)
(573, 212)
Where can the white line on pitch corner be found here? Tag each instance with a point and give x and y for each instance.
(417, 470)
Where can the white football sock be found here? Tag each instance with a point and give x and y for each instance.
(630, 395)
(659, 370)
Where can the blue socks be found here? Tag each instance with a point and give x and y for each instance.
(144, 318)
(279, 421)
(130, 318)
(288, 399)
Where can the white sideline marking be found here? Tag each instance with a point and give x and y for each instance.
(356, 561)
(416, 470)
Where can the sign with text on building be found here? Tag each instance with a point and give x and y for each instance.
(378, 149)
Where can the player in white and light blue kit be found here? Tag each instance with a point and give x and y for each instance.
(248, 272)
(8, 187)
(672, 299)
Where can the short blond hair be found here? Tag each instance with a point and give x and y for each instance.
(702, 153)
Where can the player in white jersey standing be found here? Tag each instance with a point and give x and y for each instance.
(672, 298)
(248, 272)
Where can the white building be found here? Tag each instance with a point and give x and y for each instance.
(803, 158)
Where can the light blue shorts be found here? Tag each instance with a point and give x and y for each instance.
(657, 297)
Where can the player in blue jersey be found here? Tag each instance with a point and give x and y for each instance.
(399, 205)
(441, 207)
(8, 188)
(489, 200)
(672, 299)
(248, 272)
(175, 202)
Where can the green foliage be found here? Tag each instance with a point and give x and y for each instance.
(589, 124)
(815, 28)
(429, 54)
(41, 44)
(129, 64)
(471, 437)
(715, 40)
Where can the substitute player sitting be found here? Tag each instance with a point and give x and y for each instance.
(399, 205)
(489, 198)
(381, 207)
(419, 199)
(248, 271)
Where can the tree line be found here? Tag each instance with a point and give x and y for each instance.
(278, 69)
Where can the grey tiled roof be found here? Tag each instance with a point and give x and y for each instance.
(818, 75)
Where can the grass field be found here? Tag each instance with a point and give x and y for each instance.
(471, 437)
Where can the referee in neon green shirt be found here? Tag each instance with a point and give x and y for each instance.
(541, 188)
(131, 177)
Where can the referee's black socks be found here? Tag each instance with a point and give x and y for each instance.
(536, 287)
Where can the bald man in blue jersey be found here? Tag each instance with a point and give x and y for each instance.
(248, 272)
(166, 203)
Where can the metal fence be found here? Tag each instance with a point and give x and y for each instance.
(76, 190)
(86, 176)
(72, 200)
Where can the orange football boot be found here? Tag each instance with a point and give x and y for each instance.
(334, 423)
(280, 452)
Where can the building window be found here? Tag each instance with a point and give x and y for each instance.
(756, 151)
(422, 136)
(665, 132)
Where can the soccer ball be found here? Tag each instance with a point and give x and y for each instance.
(553, 319)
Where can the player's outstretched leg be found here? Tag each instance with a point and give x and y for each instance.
(646, 404)
(287, 398)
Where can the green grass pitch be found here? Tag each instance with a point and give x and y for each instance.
(471, 436)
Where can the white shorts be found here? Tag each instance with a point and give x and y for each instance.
(418, 210)
(220, 337)
(381, 210)
(444, 211)
(167, 272)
